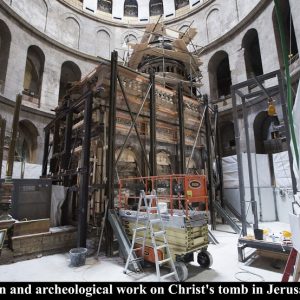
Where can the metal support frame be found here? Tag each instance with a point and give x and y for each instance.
(46, 152)
(182, 165)
(85, 173)
(111, 164)
(68, 139)
(2, 140)
(219, 156)
(152, 156)
(209, 166)
(13, 141)
(236, 91)
(134, 122)
(249, 159)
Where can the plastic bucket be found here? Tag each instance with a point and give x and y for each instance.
(259, 234)
(77, 257)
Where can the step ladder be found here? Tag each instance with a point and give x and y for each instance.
(292, 267)
(146, 222)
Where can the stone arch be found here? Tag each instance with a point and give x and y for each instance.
(27, 144)
(129, 37)
(34, 70)
(131, 8)
(71, 32)
(39, 14)
(70, 72)
(128, 165)
(264, 133)
(213, 25)
(219, 75)
(5, 42)
(103, 44)
(252, 53)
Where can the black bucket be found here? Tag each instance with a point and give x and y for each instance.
(77, 257)
(259, 234)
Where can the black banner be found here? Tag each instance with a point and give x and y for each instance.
(90, 290)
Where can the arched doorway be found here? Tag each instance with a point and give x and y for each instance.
(27, 143)
(34, 70)
(127, 166)
(219, 76)
(5, 41)
(268, 138)
(70, 72)
(252, 53)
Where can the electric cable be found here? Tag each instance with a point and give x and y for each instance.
(247, 272)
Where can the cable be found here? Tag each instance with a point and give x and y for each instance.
(247, 272)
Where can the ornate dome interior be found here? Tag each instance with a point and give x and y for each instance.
(137, 10)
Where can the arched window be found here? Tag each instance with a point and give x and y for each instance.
(127, 166)
(181, 3)
(5, 41)
(103, 44)
(213, 25)
(71, 32)
(267, 135)
(105, 5)
(219, 76)
(70, 72)
(34, 72)
(156, 7)
(38, 13)
(131, 8)
(289, 31)
(252, 53)
(27, 143)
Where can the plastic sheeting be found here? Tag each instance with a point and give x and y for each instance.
(282, 170)
(260, 167)
(32, 171)
(296, 114)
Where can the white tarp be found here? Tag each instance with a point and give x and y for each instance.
(282, 170)
(32, 171)
(260, 167)
(296, 114)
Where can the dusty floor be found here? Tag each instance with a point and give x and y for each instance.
(225, 267)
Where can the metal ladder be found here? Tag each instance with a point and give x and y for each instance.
(149, 220)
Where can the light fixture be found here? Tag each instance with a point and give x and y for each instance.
(271, 108)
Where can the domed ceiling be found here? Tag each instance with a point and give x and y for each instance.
(139, 10)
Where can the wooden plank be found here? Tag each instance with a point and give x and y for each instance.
(271, 254)
(31, 227)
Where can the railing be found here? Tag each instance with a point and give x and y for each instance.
(183, 192)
